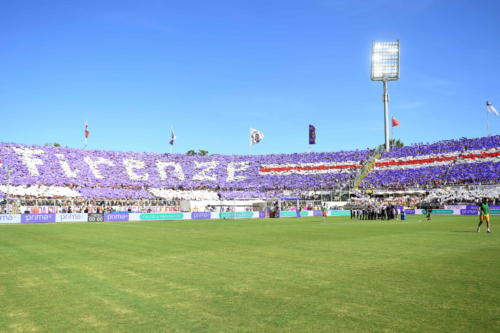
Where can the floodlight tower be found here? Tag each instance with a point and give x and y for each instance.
(385, 67)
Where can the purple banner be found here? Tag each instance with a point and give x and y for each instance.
(200, 215)
(468, 211)
(110, 217)
(38, 218)
(476, 207)
(317, 213)
(409, 211)
(262, 214)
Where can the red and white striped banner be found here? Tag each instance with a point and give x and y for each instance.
(473, 156)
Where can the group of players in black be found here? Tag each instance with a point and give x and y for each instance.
(389, 212)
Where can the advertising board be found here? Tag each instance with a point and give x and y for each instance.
(317, 213)
(236, 215)
(38, 218)
(95, 217)
(200, 215)
(116, 216)
(468, 212)
(439, 211)
(10, 218)
(288, 213)
(72, 217)
(161, 216)
(339, 213)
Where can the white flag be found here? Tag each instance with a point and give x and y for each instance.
(256, 136)
(172, 137)
(491, 108)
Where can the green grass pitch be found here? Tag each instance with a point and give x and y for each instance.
(283, 275)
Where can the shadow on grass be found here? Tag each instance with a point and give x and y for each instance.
(463, 231)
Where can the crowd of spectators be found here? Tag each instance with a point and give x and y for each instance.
(460, 170)
(462, 195)
(57, 173)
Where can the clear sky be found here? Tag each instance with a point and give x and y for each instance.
(212, 69)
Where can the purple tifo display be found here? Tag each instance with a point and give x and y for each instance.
(452, 171)
(111, 174)
(114, 193)
(445, 146)
(96, 175)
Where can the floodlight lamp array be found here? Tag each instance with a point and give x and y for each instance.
(385, 61)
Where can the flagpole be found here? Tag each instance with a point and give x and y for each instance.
(312, 137)
(172, 139)
(85, 134)
(487, 124)
(250, 141)
(392, 135)
(172, 145)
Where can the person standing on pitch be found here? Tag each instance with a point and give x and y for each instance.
(429, 212)
(484, 215)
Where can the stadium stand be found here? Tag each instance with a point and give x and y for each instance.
(464, 161)
(46, 172)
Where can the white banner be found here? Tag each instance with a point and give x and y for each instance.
(71, 217)
(455, 207)
(10, 218)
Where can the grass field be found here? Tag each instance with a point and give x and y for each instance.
(287, 275)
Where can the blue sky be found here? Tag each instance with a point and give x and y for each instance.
(212, 69)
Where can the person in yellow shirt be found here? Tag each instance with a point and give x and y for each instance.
(484, 215)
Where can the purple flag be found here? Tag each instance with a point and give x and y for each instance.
(312, 135)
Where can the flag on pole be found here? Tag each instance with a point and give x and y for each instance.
(395, 122)
(491, 108)
(172, 137)
(312, 135)
(256, 136)
(87, 132)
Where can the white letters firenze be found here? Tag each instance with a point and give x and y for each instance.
(135, 169)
